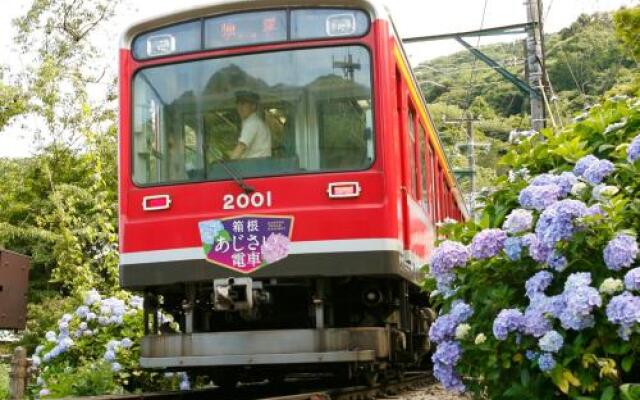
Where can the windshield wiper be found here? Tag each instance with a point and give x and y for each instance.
(233, 173)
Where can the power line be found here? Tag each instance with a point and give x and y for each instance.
(472, 78)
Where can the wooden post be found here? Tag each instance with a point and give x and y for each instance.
(19, 374)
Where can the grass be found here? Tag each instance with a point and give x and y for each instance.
(4, 381)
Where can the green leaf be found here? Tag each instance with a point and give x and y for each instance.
(608, 393)
(525, 377)
(630, 391)
(627, 363)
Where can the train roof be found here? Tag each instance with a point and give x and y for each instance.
(375, 8)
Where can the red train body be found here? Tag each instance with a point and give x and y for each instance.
(362, 183)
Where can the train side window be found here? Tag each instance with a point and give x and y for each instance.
(422, 141)
(431, 182)
(412, 154)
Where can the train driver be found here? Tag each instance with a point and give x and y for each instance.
(255, 137)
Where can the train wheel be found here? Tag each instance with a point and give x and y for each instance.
(370, 378)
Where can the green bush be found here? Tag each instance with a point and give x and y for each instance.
(533, 302)
(94, 350)
(4, 381)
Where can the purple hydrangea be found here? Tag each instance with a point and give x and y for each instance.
(447, 256)
(583, 164)
(518, 221)
(535, 323)
(448, 377)
(531, 355)
(513, 248)
(551, 342)
(448, 353)
(546, 362)
(539, 197)
(633, 151)
(444, 360)
(538, 283)
(275, 248)
(557, 261)
(598, 171)
(461, 311)
(543, 179)
(620, 252)
(538, 250)
(576, 280)
(444, 327)
(565, 181)
(508, 320)
(580, 302)
(632, 279)
(594, 210)
(487, 243)
(624, 310)
(557, 221)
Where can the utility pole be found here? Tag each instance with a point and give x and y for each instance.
(469, 149)
(535, 61)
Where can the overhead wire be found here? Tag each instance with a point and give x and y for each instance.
(472, 78)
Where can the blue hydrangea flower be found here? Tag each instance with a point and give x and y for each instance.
(594, 210)
(461, 311)
(448, 353)
(487, 243)
(546, 362)
(443, 329)
(543, 179)
(513, 248)
(531, 355)
(557, 261)
(538, 250)
(557, 221)
(447, 256)
(580, 302)
(633, 151)
(624, 310)
(508, 320)
(551, 342)
(565, 182)
(444, 359)
(620, 252)
(209, 230)
(632, 279)
(519, 220)
(538, 283)
(598, 171)
(535, 323)
(584, 163)
(576, 280)
(448, 377)
(539, 197)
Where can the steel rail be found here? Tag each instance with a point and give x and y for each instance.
(411, 381)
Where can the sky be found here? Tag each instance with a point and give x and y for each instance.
(412, 18)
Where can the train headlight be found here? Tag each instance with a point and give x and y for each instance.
(160, 45)
(341, 25)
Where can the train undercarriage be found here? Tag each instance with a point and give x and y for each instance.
(244, 329)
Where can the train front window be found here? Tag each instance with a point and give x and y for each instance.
(279, 113)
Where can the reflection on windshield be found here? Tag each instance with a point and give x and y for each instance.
(267, 114)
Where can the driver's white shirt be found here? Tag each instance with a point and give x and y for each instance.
(256, 136)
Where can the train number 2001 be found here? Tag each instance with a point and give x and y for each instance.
(243, 200)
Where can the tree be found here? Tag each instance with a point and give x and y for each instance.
(60, 206)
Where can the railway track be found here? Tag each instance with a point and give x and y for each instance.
(290, 391)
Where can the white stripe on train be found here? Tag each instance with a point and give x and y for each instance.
(308, 247)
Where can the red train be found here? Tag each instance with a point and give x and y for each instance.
(280, 178)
